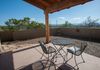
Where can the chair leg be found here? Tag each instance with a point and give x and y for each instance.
(48, 61)
(66, 56)
(62, 57)
(82, 58)
(76, 63)
(42, 56)
(51, 55)
(48, 56)
(51, 62)
(69, 58)
(55, 58)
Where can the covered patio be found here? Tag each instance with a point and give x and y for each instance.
(24, 55)
(92, 63)
(51, 6)
(21, 56)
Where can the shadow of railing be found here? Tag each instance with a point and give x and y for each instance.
(25, 49)
(40, 65)
(66, 67)
(6, 61)
(43, 65)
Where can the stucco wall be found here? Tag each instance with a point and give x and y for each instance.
(21, 35)
(28, 34)
(6, 35)
(82, 33)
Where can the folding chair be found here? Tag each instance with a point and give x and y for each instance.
(77, 51)
(47, 50)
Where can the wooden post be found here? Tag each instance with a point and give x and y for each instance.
(47, 26)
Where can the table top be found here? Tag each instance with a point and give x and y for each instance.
(62, 42)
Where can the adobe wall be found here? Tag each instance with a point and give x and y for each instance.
(80, 33)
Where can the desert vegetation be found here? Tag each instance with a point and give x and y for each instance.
(88, 23)
(22, 24)
(26, 23)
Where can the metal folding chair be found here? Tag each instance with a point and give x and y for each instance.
(77, 51)
(47, 50)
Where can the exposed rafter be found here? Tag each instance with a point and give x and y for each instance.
(44, 3)
(56, 5)
(65, 5)
(36, 3)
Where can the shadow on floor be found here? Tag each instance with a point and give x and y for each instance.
(39, 65)
(43, 65)
(65, 67)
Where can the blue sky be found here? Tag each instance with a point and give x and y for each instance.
(19, 9)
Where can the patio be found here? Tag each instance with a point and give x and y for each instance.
(29, 56)
(19, 54)
(23, 56)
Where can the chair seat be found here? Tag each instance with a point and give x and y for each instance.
(74, 50)
(51, 50)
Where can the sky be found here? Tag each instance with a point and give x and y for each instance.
(19, 9)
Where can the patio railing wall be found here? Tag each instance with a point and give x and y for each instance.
(81, 33)
(21, 35)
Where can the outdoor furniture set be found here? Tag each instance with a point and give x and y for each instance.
(53, 52)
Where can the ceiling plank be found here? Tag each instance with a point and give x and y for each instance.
(35, 3)
(56, 5)
(46, 4)
(65, 4)
(58, 0)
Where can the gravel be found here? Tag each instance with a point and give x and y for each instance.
(93, 48)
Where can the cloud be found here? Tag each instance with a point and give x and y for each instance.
(32, 19)
(62, 18)
(77, 19)
(74, 20)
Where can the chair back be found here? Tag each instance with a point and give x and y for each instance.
(44, 49)
(83, 46)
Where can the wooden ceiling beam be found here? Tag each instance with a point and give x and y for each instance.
(54, 1)
(65, 4)
(35, 3)
(46, 4)
(58, 0)
(55, 5)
